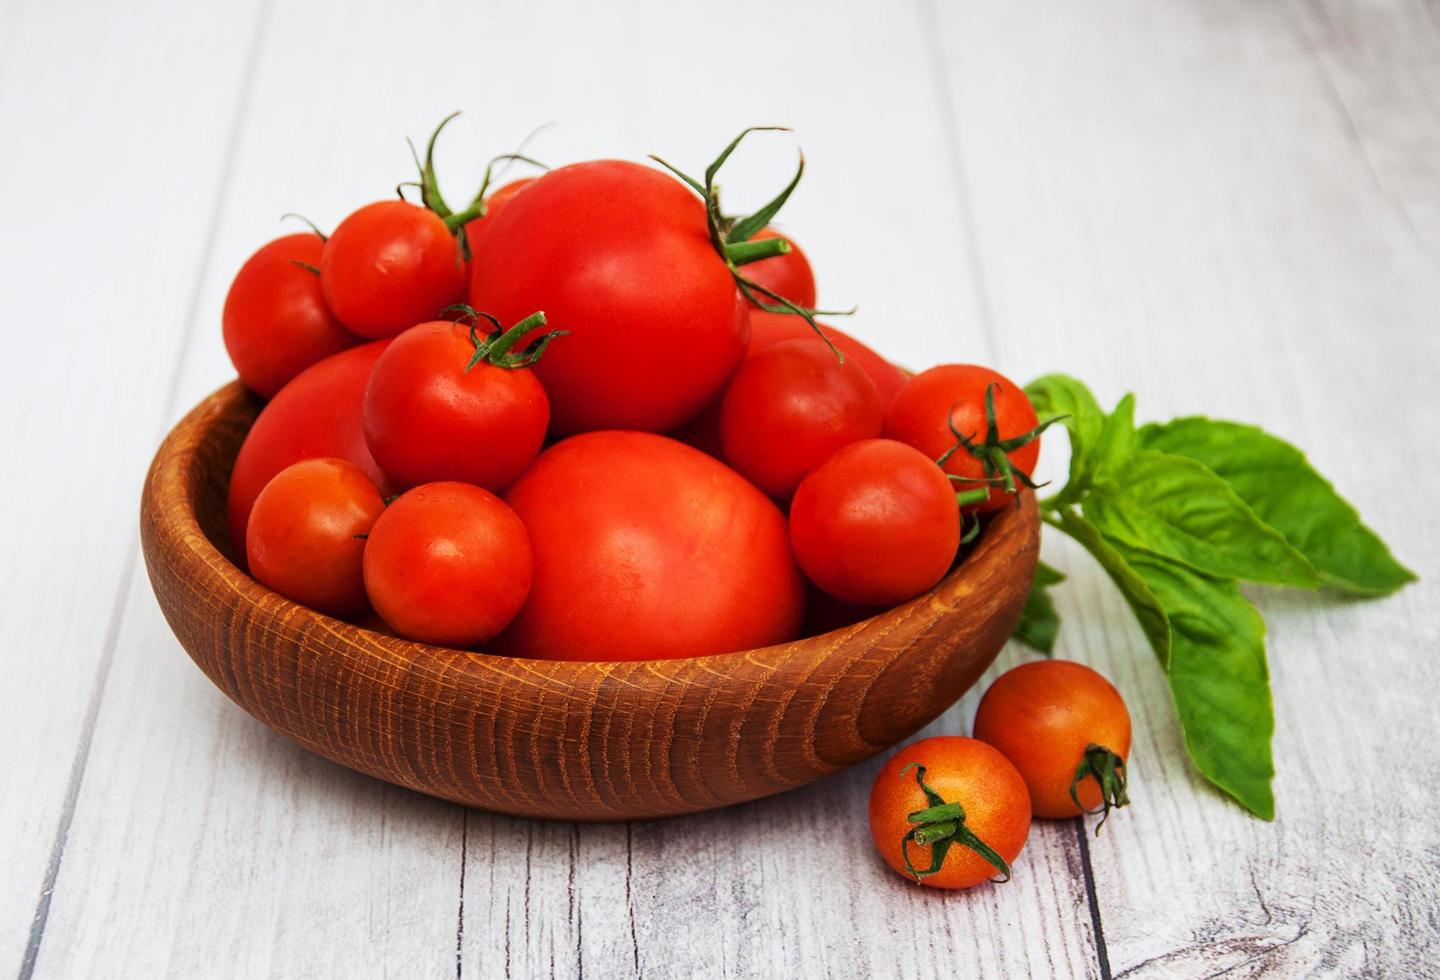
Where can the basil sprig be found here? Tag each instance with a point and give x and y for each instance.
(1177, 515)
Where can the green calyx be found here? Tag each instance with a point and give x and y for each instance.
(1108, 771)
(429, 187)
(732, 237)
(497, 346)
(993, 453)
(940, 826)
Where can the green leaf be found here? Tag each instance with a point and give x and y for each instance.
(1117, 438)
(1058, 394)
(1136, 592)
(1039, 622)
(1175, 507)
(1275, 479)
(1218, 677)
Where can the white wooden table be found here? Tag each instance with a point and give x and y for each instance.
(1228, 207)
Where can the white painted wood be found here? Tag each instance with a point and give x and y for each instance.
(1225, 207)
(111, 166)
(1174, 199)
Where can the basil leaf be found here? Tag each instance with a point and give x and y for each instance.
(1218, 677)
(1058, 394)
(1039, 622)
(1175, 507)
(1142, 601)
(1117, 438)
(1279, 484)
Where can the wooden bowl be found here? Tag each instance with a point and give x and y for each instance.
(562, 740)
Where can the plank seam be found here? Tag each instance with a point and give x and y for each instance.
(1102, 954)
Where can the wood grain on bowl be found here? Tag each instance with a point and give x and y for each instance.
(562, 740)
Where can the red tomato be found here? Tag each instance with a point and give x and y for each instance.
(306, 536)
(448, 563)
(493, 203)
(918, 416)
(1066, 729)
(647, 548)
(317, 414)
(430, 415)
(389, 266)
(769, 329)
(876, 524)
(276, 323)
(619, 255)
(989, 792)
(789, 408)
(788, 274)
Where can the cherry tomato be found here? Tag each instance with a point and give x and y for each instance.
(439, 408)
(769, 329)
(956, 392)
(646, 548)
(949, 812)
(788, 274)
(389, 266)
(1066, 729)
(276, 323)
(306, 536)
(448, 563)
(789, 408)
(317, 414)
(619, 254)
(493, 203)
(876, 524)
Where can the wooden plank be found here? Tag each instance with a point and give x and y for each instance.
(1172, 199)
(113, 162)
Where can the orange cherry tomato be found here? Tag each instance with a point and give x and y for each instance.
(1066, 729)
(949, 812)
(307, 530)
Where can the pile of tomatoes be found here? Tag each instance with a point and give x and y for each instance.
(589, 416)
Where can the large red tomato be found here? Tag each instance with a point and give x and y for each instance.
(619, 255)
(646, 548)
(276, 323)
(317, 414)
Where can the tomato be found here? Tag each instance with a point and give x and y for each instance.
(938, 805)
(317, 414)
(768, 329)
(647, 548)
(493, 203)
(876, 524)
(306, 536)
(448, 563)
(276, 323)
(619, 255)
(389, 266)
(935, 404)
(789, 408)
(1066, 729)
(431, 414)
(788, 274)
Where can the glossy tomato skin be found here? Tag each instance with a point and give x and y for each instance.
(964, 771)
(276, 323)
(789, 408)
(789, 275)
(769, 329)
(646, 548)
(306, 534)
(317, 414)
(876, 524)
(618, 254)
(429, 419)
(389, 266)
(449, 564)
(1042, 716)
(917, 417)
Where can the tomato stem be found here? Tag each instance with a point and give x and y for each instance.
(993, 452)
(940, 826)
(497, 346)
(743, 253)
(1108, 771)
